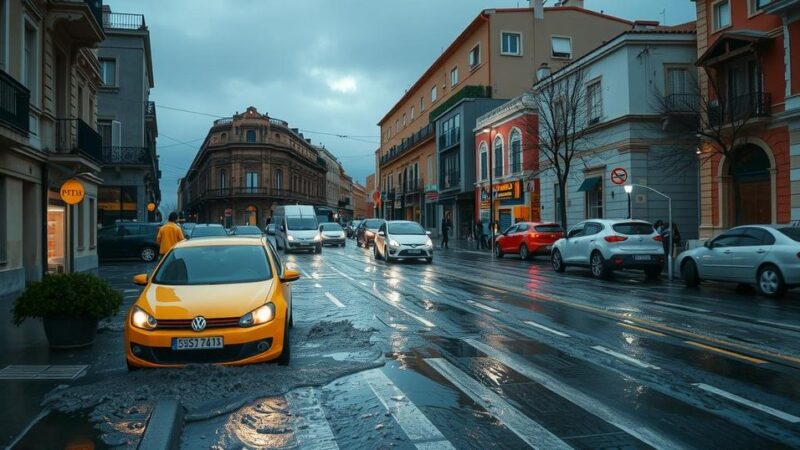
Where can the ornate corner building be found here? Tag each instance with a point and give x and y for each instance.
(249, 164)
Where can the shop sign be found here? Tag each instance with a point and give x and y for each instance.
(151, 206)
(72, 192)
(431, 196)
(431, 187)
(508, 191)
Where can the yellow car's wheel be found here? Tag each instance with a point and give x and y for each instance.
(286, 353)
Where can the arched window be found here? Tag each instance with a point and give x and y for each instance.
(251, 136)
(515, 147)
(223, 179)
(484, 167)
(223, 137)
(498, 156)
(278, 179)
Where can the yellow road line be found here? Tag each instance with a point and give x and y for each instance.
(726, 352)
(644, 330)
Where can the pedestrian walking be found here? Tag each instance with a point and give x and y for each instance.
(445, 231)
(659, 226)
(169, 235)
(670, 229)
(479, 234)
(486, 234)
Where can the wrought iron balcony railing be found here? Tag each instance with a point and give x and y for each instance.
(408, 143)
(77, 137)
(740, 107)
(15, 101)
(123, 21)
(126, 155)
(682, 103)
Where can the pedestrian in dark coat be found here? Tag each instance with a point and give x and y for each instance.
(445, 232)
(478, 234)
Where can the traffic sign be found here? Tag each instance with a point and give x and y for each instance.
(619, 175)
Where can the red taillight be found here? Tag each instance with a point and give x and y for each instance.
(798, 254)
(535, 235)
(658, 238)
(615, 238)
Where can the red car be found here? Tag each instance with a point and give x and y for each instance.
(527, 239)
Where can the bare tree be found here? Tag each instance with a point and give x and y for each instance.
(563, 126)
(720, 119)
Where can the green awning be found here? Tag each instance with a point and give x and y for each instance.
(590, 184)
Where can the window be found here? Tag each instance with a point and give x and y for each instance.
(450, 171)
(421, 104)
(92, 224)
(3, 31)
(474, 57)
(757, 5)
(592, 187)
(104, 129)
(3, 220)
(412, 113)
(81, 213)
(430, 170)
(562, 47)
(108, 71)
(484, 161)
(498, 156)
(722, 14)
(250, 136)
(30, 65)
(454, 76)
(450, 132)
(515, 145)
(677, 80)
(278, 179)
(511, 44)
(251, 181)
(594, 103)
(433, 94)
(223, 179)
(404, 120)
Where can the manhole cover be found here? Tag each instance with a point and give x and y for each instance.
(42, 372)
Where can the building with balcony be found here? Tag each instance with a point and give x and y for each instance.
(126, 120)
(746, 52)
(427, 135)
(49, 76)
(247, 165)
(621, 87)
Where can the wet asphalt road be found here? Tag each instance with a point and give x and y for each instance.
(509, 354)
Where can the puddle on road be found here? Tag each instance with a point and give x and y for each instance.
(59, 430)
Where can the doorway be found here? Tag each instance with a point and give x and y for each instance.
(751, 186)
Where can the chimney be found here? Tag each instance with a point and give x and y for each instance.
(641, 25)
(538, 9)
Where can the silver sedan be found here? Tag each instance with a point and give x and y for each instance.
(767, 256)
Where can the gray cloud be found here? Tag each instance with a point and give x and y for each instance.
(329, 66)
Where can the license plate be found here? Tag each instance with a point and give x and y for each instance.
(415, 252)
(198, 343)
(641, 257)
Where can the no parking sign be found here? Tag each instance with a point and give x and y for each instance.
(619, 175)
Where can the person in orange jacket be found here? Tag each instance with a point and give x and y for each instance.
(169, 235)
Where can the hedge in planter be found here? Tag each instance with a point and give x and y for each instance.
(70, 304)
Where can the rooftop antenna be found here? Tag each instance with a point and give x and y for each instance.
(664, 16)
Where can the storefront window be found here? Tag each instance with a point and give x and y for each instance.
(117, 203)
(55, 238)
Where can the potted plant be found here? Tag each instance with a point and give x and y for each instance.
(69, 305)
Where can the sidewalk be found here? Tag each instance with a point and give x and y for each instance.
(461, 246)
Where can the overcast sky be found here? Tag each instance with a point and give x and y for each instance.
(325, 66)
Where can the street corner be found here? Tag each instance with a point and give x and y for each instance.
(120, 405)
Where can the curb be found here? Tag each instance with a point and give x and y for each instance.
(163, 430)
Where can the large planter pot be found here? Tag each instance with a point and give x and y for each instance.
(70, 332)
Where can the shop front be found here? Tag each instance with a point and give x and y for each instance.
(514, 201)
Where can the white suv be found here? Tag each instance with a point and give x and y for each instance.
(607, 245)
(402, 239)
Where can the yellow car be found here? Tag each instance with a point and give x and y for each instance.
(223, 300)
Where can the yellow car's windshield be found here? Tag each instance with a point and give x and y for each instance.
(214, 264)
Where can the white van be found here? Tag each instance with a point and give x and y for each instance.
(297, 228)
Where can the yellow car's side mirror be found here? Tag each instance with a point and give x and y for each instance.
(290, 275)
(140, 279)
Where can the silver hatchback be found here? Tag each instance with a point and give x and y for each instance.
(606, 245)
(767, 256)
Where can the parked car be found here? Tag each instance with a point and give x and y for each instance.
(765, 255)
(365, 233)
(606, 245)
(270, 229)
(208, 230)
(528, 239)
(246, 230)
(297, 228)
(352, 227)
(402, 239)
(332, 234)
(187, 228)
(128, 240)
(251, 325)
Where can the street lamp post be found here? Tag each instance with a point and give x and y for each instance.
(628, 190)
(491, 187)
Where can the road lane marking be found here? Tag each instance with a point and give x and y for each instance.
(643, 330)
(529, 431)
(334, 300)
(726, 352)
(305, 274)
(413, 421)
(574, 396)
(778, 324)
(341, 273)
(317, 285)
(127, 291)
(763, 408)
(431, 289)
(626, 358)
(313, 429)
(419, 319)
(482, 306)
(676, 305)
(548, 329)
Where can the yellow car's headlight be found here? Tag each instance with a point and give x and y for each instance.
(140, 319)
(262, 314)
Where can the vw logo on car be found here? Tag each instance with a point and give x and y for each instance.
(199, 323)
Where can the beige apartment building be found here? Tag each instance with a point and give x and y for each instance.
(495, 57)
(48, 84)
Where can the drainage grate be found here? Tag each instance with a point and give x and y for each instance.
(42, 372)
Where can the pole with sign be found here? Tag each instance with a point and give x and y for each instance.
(619, 176)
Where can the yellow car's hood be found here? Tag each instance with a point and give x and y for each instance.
(209, 301)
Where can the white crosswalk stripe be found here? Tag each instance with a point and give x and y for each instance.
(533, 434)
(417, 427)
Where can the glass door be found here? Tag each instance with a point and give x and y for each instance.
(56, 242)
